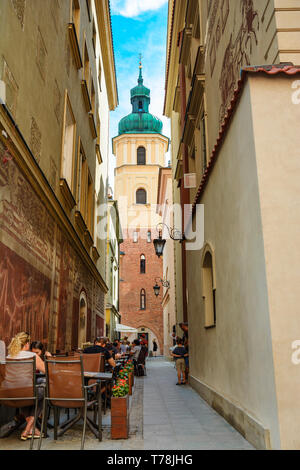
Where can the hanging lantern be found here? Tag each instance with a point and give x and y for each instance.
(156, 289)
(159, 245)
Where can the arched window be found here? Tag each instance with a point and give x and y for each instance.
(141, 156)
(143, 300)
(82, 319)
(208, 288)
(141, 196)
(143, 264)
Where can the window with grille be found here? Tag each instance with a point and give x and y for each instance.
(143, 300)
(143, 264)
(141, 196)
(141, 156)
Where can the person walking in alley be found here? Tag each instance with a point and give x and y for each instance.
(179, 354)
(154, 347)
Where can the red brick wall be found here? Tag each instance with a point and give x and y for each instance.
(133, 282)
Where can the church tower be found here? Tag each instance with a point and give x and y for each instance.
(140, 150)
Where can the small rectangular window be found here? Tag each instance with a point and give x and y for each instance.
(100, 74)
(135, 237)
(88, 6)
(90, 205)
(68, 144)
(76, 17)
(94, 37)
(83, 182)
(93, 97)
(149, 237)
(86, 69)
(204, 144)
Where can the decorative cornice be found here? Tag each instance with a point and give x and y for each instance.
(88, 238)
(92, 125)
(75, 45)
(86, 96)
(67, 194)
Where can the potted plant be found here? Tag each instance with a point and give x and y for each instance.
(120, 410)
(129, 367)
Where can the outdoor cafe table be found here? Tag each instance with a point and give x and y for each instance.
(101, 377)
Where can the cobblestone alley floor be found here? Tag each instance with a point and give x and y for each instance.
(163, 417)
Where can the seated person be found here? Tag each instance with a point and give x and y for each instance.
(19, 349)
(124, 347)
(117, 349)
(100, 347)
(38, 348)
(135, 350)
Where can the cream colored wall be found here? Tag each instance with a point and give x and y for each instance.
(277, 143)
(235, 358)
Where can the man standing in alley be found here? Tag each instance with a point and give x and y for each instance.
(179, 353)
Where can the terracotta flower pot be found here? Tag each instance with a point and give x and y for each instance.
(120, 417)
(130, 382)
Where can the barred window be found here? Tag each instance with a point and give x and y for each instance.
(141, 196)
(143, 264)
(143, 300)
(141, 156)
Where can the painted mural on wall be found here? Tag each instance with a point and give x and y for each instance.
(238, 53)
(41, 275)
(240, 46)
(23, 216)
(24, 298)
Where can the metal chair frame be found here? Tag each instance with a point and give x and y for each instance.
(34, 399)
(60, 430)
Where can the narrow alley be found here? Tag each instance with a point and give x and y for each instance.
(162, 417)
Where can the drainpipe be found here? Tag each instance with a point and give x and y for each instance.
(184, 193)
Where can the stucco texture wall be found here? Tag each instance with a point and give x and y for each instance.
(235, 357)
(276, 117)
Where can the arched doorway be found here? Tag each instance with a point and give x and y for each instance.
(82, 320)
(150, 336)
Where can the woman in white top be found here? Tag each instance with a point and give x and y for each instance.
(19, 349)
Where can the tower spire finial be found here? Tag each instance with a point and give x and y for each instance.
(140, 80)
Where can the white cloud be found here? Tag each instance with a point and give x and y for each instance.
(133, 8)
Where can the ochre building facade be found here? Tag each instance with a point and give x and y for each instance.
(58, 85)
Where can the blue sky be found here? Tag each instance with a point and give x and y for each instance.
(139, 26)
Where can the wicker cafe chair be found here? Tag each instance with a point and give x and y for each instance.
(65, 389)
(18, 385)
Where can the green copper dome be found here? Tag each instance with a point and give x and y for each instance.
(140, 120)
